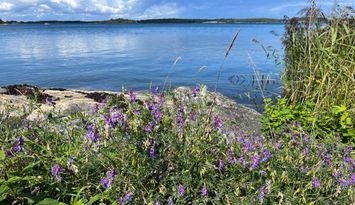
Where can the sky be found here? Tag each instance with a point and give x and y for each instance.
(28, 10)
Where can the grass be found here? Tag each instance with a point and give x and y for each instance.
(319, 58)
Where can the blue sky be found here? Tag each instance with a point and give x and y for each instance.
(143, 9)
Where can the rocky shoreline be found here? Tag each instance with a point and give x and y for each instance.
(66, 101)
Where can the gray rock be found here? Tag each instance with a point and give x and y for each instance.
(3, 91)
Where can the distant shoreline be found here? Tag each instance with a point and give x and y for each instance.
(155, 21)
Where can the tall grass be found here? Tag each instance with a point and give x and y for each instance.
(319, 57)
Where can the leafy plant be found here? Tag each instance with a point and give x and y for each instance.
(338, 121)
(166, 150)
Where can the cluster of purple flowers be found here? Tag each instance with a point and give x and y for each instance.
(218, 122)
(56, 170)
(155, 109)
(195, 91)
(181, 190)
(148, 127)
(50, 101)
(127, 199)
(132, 96)
(16, 147)
(93, 134)
(107, 181)
(253, 153)
(204, 190)
(265, 190)
(180, 121)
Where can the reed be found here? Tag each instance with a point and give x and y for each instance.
(319, 57)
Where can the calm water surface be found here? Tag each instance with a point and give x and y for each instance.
(107, 57)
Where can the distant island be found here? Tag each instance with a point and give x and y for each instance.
(152, 21)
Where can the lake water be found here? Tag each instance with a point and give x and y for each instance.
(107, 57)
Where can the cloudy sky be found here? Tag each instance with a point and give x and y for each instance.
(144, 9)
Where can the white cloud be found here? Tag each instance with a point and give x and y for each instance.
(6, 6)
(72, 3)
(85, 9)
(168, 10)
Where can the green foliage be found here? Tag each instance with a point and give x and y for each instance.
(154, 149)
(319, 58)
(337, 121)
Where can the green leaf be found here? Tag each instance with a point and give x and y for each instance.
(3, 192)
(2, 155)
(14, 179)
(94, 199)
(48, 201)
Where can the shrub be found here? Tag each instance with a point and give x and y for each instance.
(166, 150)
(337, 121)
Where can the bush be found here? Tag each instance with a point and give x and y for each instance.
(337, 121)
(166, 151)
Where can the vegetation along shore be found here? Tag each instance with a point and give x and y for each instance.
(189, 145)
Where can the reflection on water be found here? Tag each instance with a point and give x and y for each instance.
(109, 56)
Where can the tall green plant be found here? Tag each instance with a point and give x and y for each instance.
(319, 58)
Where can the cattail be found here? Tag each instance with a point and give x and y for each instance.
(232, 43)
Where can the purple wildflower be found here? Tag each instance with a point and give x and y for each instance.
(218, 122)
(156, 203)
(128, 197)
(241, 160)
(108, 181)
(17, 146)
(262, 195)
(157, 115)
(132, 96)
(103, 183)
(220, 164)
(95, 108)
(204, 191)
(56, 170)
(262, 173)
(195, 91)
(180, 121)
(231, 157)
(316, 183)
(344, 183)
(8, 153)
(266, 156)
(120, 200)
(111, 177)
(328, 159)
(109, 121)
(181, 190)
(305, 151)
(193, 115)
(152, 152)
(264, 190)
(92, 133)
(255, 162)
(136, 112)
(148, 127)
(117, 117)
(49, 101)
